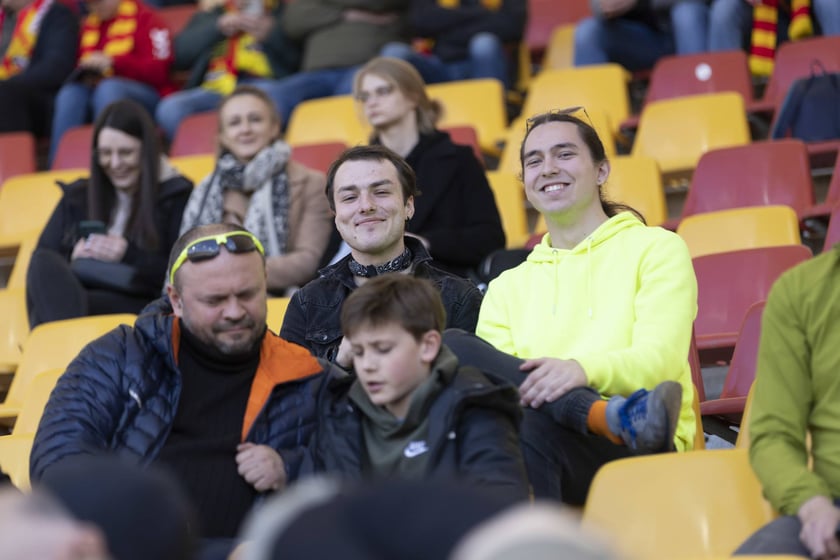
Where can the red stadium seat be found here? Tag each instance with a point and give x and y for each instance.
(17, 154)
(74, 149)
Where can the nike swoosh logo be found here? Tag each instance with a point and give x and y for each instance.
(415, 448)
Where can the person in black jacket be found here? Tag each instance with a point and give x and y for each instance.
(411, 411)
(38, 43)
(464, 39)
(105, 248)
(455, 215)
(371, 190)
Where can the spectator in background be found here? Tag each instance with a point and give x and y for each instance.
(632, 33)
(455, 216)
(337, 36)
(38, 42)
(106, 245)
(256, 185)
(237, 42)
(463, 40)
(795, 420)
(125, 53)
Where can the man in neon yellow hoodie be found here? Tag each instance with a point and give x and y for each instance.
(601, 312)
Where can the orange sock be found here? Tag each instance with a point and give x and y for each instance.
(596, 421)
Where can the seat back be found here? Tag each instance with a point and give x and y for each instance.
(329, 119)
(37, 395)
(636, 181)
(743, 439)
(177, 17)
(13, 328)
(466, 136)
(74, 148)
(699, 394)
(692, 74)
(276, 311)
(509, 158)
(196, 135)
(729, 283)
(677, 506)
(601, 88)
(510, 200)
(676, 132)
(739, 228)
(776, 172)
(832, 236)
(560, 52)
(27, 202)
(54, 345)
(17, 154)
(476, 103)
(794, 60)
(546, 15)
(318, 156)
(741, 374)
(195, 168)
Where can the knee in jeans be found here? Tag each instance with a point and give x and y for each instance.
(485, 45)
(589, 31)
(107, 92)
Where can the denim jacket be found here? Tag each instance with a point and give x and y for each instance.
(313, 316)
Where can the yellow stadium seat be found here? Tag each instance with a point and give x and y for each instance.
(14, 328)
(15, 448)
(676, 506)
(601, 88)
(676, 132)
(54, 345)
(276, 311)
(743, 439)
(196, 167)
(476, 103)
(739, 228)
(26, 204)
(329, 119)
(509, 159)
(560, 52)
(510, 199)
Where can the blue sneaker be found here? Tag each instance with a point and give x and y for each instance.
(647, 420)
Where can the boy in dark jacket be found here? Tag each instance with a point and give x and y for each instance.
(411, 411)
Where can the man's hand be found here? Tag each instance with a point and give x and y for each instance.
(261, 467)
(257, 27)
(98, 61)
(373, 18)
(820, 519)
(616, 8)
(549, 379)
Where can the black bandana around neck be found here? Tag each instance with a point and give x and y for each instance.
(402, 262)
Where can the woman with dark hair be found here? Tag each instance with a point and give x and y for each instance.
(256, 185)
(599, 317)
(106, 246)
(456, 216)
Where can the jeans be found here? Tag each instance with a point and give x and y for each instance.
(780, 536)
(176, 107)
(77, 104)
(290, 91)
(486, 59)
(690, 21)
(632, 44)
(827, 14)
(730, 23)
(561, 454)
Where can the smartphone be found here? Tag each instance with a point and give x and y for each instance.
(88, 227)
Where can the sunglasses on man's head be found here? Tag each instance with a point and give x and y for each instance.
(209, 247)
(579, 112)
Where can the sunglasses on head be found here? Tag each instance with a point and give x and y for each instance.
(208, 247)
(578, 112)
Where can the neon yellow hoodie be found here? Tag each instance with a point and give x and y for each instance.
(621, 303)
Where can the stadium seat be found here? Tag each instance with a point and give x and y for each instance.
(13, 328)
(476, 103)
(727, 285)
(510, 199)
(15, 447)
(318, 156)
(774, 172)
(177, 17)
(601, 88)
(832, 236)
(54, 345)
(544, 16)
(196, 135)
(739, 228)
(17, 154)
(677, 506)
(699, 394)
(195, 168)
(26, 204)
(276, 311)
(329, 119)
(794, 60)
(74, 149)
(466, 136)
(693, 74)
(741, 373)
(560, 52)
(676, 132)
(832, 196)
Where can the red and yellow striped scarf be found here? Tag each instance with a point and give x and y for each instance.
(425, 45)
(24, 36)
(119, 38)
(765, 22)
